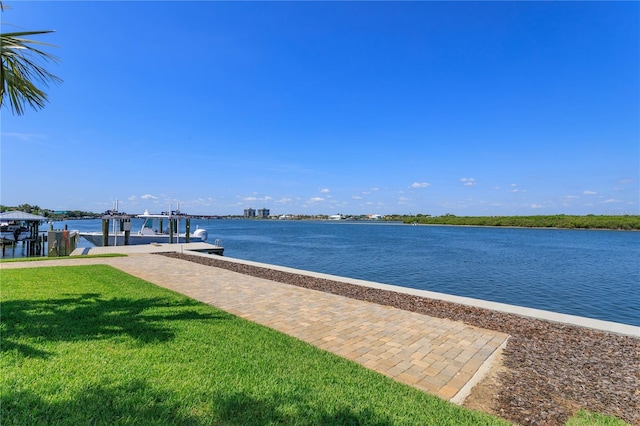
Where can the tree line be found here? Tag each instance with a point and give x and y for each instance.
(51, 214)
(621, 222)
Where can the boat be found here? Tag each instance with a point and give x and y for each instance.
(14, 232)
(156, 228)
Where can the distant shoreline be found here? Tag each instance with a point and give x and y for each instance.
(601, 222)
(551, 228)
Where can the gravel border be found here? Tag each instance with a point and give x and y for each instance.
(553, 369)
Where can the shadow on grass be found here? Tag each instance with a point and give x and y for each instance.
(90, 317)
(131, 403)
(138, 403)
(243, 409)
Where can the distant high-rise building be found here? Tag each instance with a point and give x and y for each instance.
(263, 213)
(248, 213)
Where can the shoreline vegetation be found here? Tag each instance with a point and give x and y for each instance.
(613, 222)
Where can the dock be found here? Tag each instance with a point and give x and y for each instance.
(205, 248)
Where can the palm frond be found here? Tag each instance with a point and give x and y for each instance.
(23, 69)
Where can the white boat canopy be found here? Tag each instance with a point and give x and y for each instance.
(146, 214)
(15, 215)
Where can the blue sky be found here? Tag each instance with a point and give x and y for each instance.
(469, 108)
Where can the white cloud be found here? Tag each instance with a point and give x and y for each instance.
(420, 184)
(536, 206)
(284, 200)
(324, 191)
(316, 199)
(254, 198)
(468, 181)
(515, 189)
(355, 197)
(132, 198)
(590, 193)
(611, 200)
(148, 197)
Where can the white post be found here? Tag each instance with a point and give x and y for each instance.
(115, 230)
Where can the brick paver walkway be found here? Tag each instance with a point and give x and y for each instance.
(439, 356)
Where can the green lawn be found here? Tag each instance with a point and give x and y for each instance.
(92, 345)
(587, 418)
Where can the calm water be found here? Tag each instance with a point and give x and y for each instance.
(587, 273)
